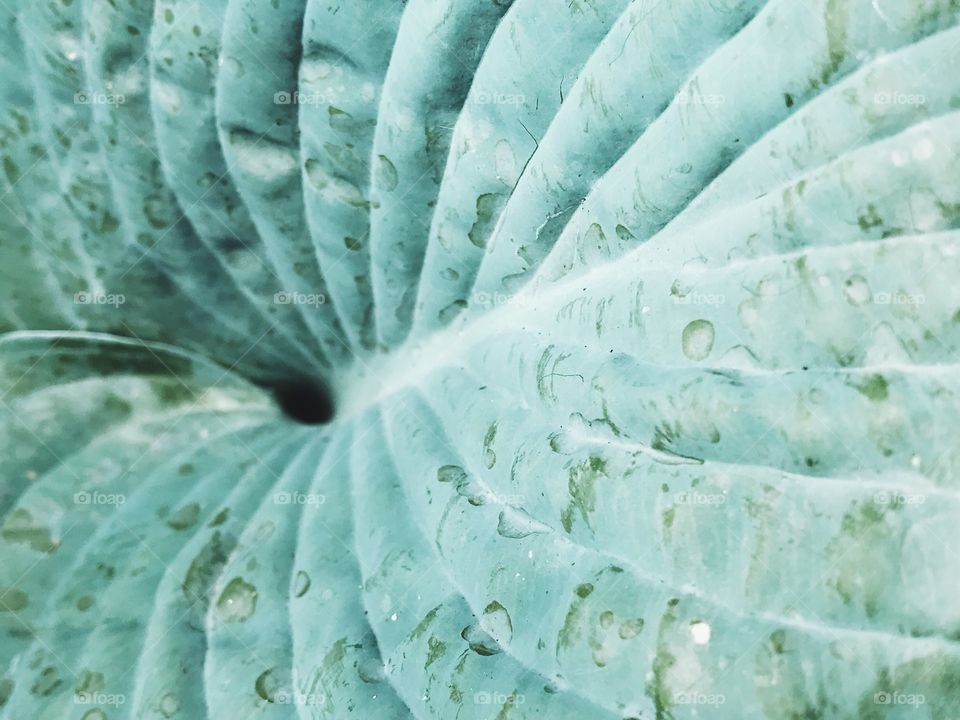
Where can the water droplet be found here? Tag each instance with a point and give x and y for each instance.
(169, 705)
(700, 632)
(457, 476)
(184, 518)
(698, 339)
(237, 601)
(630, 628)
(301, 584)
(331, 188)
(386, 173)
(496, 622)
(516, 524)
(267, 685)
(479, 641)
(857, 290)
(232, 66)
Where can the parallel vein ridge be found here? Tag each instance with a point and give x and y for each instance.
(641, 319)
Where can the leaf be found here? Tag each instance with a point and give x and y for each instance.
(639, 318)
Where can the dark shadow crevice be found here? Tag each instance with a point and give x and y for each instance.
(304, 400)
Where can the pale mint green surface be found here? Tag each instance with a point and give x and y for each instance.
(642, 320)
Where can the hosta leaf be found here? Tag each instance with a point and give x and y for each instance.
(638, 319)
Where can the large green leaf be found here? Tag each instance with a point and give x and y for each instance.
(640, 321)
